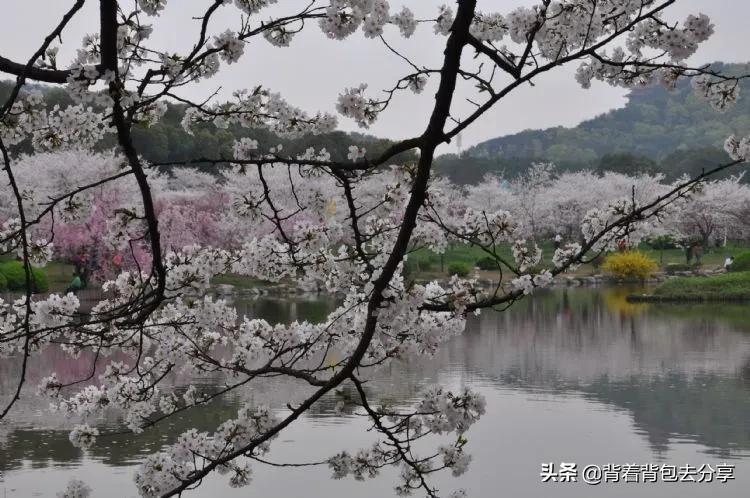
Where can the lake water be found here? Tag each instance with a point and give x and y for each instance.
(570, 375)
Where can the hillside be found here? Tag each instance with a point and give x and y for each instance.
(655, 126)
(656, 131)
(166, 141)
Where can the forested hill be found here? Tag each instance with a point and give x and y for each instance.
(166, 141)
(657, 131)
(654, 126)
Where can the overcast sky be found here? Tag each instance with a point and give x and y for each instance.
(314, 70)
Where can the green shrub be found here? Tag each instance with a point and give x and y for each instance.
(486, 263)
(662, 242)
(460, 269)
(3, 283)
(630, 265)
(741, 263)
(15, 276)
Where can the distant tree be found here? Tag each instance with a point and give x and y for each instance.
(627, 164)
(712, 212)
(692, 162)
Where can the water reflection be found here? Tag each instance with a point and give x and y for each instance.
(660, 376)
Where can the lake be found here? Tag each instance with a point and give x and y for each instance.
(570, 375)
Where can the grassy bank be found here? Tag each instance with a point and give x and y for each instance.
(725, 287)
(425, 263)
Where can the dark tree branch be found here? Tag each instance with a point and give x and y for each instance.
(34, 73)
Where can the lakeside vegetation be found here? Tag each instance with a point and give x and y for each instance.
(424, 263)
(466, 261)
(726, 287)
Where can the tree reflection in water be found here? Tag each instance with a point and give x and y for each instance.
(682, 373)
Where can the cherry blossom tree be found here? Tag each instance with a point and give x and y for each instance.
(345, 226)
(712, 212)
(555, 203)
(573, 194)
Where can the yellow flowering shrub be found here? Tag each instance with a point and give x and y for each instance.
(630, 265)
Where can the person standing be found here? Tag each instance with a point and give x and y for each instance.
(698, 254)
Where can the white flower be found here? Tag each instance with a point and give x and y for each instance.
(444, 21)
(168, 403)
(543, 279)
(564, 254)
(190, 395)
(50, 386)
(152, 7)
(525, 256)
(378, 17)
(524, 283)
(722, 95)
(231, 46)
(279, 36)
(738, 150)
(356, 153)
(455, 458)
(352, 103)
(417, 83)
(252, 6)
(243, 148)
(241, 475)
(489, 28)
(75, 489)
(40, 252)
(83, 436)
(405, 21)
(520, 22)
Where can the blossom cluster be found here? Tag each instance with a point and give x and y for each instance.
(526, 257)
(67, 128)
(526, 283)
(721, 94)
(353, 103)
(565, 255)
(437, 412)
(738, 149)
(231, 46)
(260, 109)
(344, 17)
(167, 469)
(75, 489)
